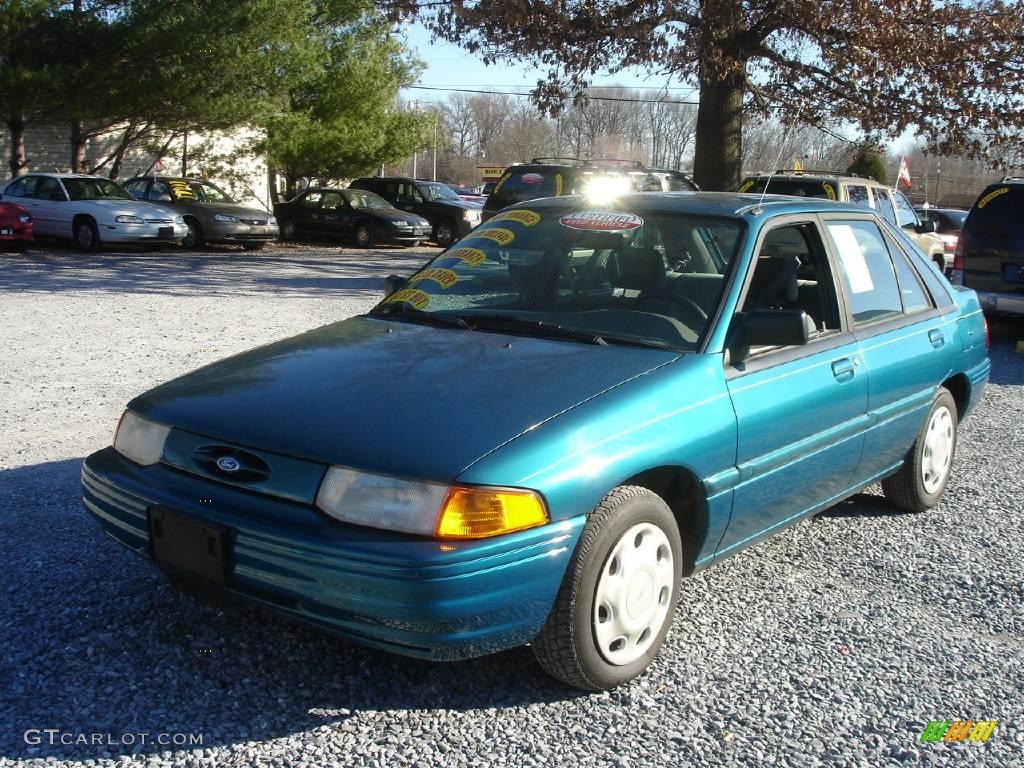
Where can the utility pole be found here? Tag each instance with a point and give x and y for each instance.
(436, 118)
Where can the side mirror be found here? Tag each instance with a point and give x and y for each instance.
(926, 226)
(394, 283)
(164, 199)
(57, 197)
(771, 328)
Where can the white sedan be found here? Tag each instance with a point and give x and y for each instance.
(92, 210)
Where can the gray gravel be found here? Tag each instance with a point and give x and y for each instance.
(834, 642)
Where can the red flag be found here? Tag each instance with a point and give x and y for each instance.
(904, 176)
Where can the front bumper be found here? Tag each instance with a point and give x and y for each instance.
(402, 235)
(143, 233)
(407, 594)
(1001, 303)
(15, 233)
(230, 232)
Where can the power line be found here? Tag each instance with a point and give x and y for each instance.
(517, 93)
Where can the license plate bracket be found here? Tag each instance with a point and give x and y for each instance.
(6, 231)
(165, 232)
(1013, 272)
(189, 546)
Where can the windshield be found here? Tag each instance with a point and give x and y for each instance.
(948, 221)
(94, 189)
(781, 185)
(628, 276)
(437, 192)
(358, 198)
(997, 212)
(200, 191)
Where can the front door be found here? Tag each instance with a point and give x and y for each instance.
(51, 208)
(800, 410)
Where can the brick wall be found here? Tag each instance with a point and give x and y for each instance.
(225, 158)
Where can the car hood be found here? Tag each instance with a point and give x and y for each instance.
(230, 209)
(112, 208)
(394, 215)
(392, 397)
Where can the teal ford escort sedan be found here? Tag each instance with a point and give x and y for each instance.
(536, 436)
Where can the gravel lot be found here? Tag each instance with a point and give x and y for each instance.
(834, 642)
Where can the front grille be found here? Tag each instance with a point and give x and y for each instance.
(254, 222)
(159, 221)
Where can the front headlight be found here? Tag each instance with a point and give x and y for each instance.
(428, 509)
(271, 220)
(225, 218)
(24, 218)
(139, 439)
(471, 215)
(129, 220)
(179, 219)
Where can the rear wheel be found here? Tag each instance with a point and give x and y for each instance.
(288, 230)
(618, 595)
(921, 481)
(87, 236)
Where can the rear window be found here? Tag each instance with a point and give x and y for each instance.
(785, 186)
(519, 184)
(997, 212)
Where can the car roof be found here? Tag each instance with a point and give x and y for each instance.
(729, 204)
(164, 177)
(816, 175)
(67, 175)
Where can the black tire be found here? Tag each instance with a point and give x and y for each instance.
(194, 240)
(253, 246)
(363, 235)
(86, 235)
(567, 646)
(906, 489)
(445, 233)
(288, 230)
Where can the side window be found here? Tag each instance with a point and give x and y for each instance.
(313, 200)
(905, 216)
(915, 298)
(159, 191)
(867, 271)
(858, 195)
(331, 200)
(136, 188)
(791, 272)
(885, 206)
(23, 187)
(49, 189)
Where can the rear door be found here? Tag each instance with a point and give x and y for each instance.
(906, 342)
(993, 241)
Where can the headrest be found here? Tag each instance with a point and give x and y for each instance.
(637, 269)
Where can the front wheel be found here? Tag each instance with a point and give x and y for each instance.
(288, 230)
(87, 237)
(618, 595)
(364, 236)
(921, 481)
(194, 240)
(444, 234)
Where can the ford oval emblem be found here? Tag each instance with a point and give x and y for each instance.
(228, 464)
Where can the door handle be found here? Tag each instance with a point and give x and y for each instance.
(936, 337)
(843, 369)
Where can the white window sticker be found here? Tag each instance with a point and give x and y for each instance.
(602, 221)
(852, 256)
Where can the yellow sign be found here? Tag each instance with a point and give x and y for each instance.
(472, 256)
(497, 234)
(443, 277)
(418, 299)
(520, 215)
(993, 194)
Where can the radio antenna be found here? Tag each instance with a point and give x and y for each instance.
(782, 148)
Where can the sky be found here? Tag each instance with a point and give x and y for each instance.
(448, 66)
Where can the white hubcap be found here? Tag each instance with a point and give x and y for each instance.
(634, 592)
(938, 450)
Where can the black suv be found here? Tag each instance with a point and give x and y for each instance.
(450, 216)
(556, 176)
(990, 253)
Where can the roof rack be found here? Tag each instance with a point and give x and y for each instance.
(558, 159)
(1012, 178)
(816, 172)
(595, 162)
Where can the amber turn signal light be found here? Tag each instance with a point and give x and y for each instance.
(476, 513)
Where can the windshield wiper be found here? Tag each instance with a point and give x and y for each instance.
(533, 327)
(427, 318)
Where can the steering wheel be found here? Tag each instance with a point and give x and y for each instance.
(683, 302)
